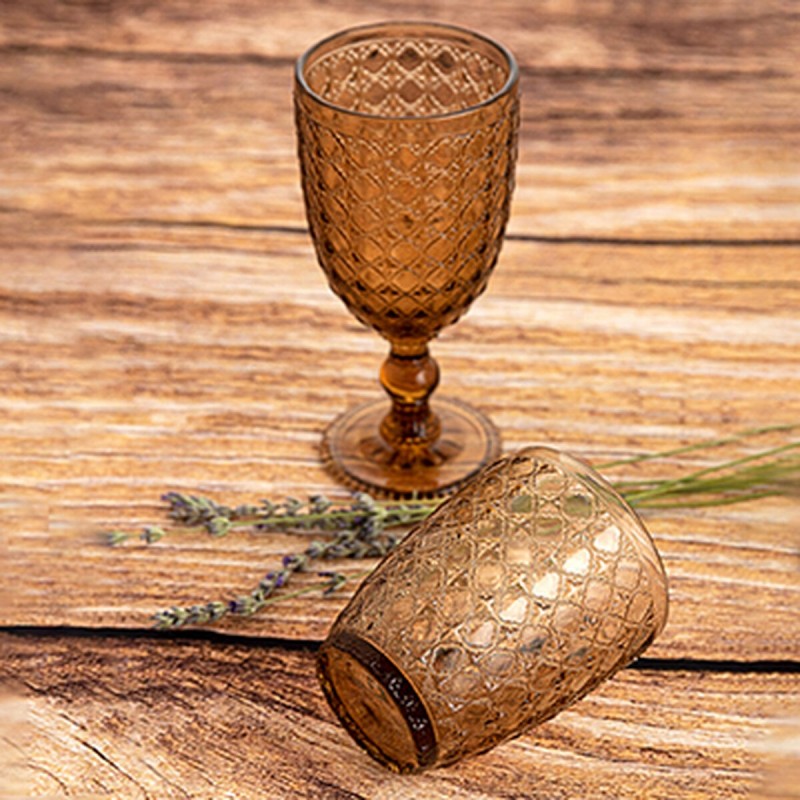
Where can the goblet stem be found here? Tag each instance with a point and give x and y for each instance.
(410, 429)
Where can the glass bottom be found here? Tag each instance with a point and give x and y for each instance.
(376, 703)
(355, 452)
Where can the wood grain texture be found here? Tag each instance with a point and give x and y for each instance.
(645, 120)
(163, 325)
(163, 720)
(183, 364)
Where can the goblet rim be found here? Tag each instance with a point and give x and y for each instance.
(508, 86)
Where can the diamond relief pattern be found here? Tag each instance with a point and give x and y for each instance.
(407, 210)
(398, 77)
(499, 619)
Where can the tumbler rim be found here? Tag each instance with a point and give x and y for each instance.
(507, 87)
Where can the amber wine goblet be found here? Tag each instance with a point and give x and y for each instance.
(407, 139)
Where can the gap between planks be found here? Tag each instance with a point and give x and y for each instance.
(759, 666)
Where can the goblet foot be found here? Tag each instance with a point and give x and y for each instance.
(355, 452)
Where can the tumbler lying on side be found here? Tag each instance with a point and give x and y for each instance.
(519, 595)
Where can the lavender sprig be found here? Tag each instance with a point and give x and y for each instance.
(361, 528)
(319, 513)
(346, 545)
(365, 537)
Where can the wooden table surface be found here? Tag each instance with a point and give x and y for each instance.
(164, 325)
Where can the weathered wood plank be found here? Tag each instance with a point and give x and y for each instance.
(191, 363)
(672, 35)
(163, 325)
(650, 123)
(139, 718)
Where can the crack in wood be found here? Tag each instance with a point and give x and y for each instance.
(757, 666)
(100, 754)
(32, 765)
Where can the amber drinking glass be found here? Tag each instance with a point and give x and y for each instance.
(407, 139)
(519, 595)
